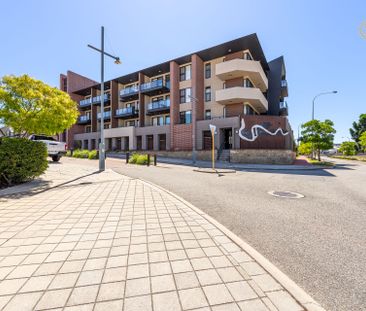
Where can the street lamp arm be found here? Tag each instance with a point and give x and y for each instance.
(318, 95)
(105, 53)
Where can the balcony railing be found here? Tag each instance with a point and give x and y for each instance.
(155, 87)
(97, 99)
(85, 102)
(158, 106)
(84, 119)
(283, 83)
(126, 112)
(129, 91)
(283, 108)
(106, 115)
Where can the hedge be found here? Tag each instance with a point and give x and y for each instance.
(140, 159)
(83, 154)
(21, 160)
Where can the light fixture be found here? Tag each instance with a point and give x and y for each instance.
(229, 50)
(117, 61)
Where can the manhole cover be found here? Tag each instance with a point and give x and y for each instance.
(286, 194)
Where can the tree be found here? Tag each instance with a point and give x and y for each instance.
(362, 141)
(30, 106)
(358, 128)
(305, 148)
(319, 134)
(348, 148)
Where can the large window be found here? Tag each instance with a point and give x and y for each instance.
(248, 110)
(185, 73)
(184, 95)
(167, 120)
(185, 117)
(208, 70)
(158, 120)
(208, 94)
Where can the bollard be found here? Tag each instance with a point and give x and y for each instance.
(127, 157)
(148, 159)
(155, 159)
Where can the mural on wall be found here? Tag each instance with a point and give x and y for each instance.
(254, 131)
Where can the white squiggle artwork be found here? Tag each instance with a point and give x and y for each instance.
(255, 134)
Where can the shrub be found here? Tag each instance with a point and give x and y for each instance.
(93, 155)
(348, 148)
(21, 160)
(83, 154)
(68, 153)
(140, 159)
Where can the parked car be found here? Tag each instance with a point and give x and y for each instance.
(55, 149)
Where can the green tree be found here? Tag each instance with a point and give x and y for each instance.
(362, 141)
(348, 148)
(358, 128)
(305, 148)
(319, 134)
(30, 106)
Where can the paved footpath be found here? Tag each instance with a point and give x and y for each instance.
(110, 242)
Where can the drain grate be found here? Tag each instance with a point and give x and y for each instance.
(286, 194)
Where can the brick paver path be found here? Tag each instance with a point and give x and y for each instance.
(108, 242)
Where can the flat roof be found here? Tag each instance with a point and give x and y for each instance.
(250, 42)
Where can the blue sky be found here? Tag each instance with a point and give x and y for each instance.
(320, 41)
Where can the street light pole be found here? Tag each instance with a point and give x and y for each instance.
(316, 96)
(116, 61)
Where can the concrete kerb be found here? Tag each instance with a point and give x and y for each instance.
(304, 299)
(214, 171)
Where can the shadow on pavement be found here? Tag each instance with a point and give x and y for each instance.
(40, 186)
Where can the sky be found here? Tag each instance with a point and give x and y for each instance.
(320, 41)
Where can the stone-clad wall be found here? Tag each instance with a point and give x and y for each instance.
(262, 156)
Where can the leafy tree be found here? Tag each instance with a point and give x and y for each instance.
(348, 148)
(305, 148)
(30, 106)
(358, 128)
(362, 141)
(319, 134)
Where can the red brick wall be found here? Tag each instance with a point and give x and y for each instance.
(141, 102)
(198, 85)
(174, 99)
(182, 137)
(234, 82)
(114, 102)
(266, 141)
(233, 110)
(233, 56)
(77, 82)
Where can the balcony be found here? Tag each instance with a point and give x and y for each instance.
(84, 119)
(155, 87)
(238, 67)
(106, 115)
(97, 99)
(85, 103)
(283, 109)
(240, 94)
(129, 93)
(127, 113)
(284, 88)
(161, 106)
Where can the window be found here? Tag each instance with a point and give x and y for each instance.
(130, 123)
(248, 83)
(185, 117)
(208, 70)
(167, 120)
(208, 114)
(185, 73)
(248, 110)
(185, 95)
(158, 121)
(247, 56)
(88, 129)
(208, 94)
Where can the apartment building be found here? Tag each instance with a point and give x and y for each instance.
(152, 109)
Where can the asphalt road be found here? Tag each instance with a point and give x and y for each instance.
(319, 241)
